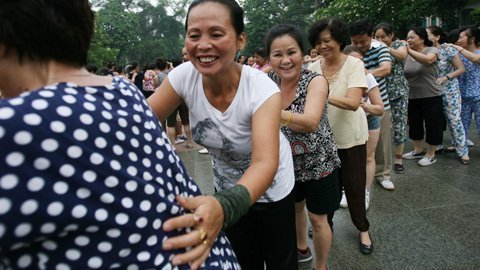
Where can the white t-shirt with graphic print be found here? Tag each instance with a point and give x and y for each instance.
(228, 135)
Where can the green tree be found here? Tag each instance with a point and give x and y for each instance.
(100, 53)
(161, 34)
(402, 14)
(136, 30)
(120, 27)
(262, 15)
(475, 16)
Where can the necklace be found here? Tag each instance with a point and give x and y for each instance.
(334, 76)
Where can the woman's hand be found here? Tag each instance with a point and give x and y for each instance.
(442, 80)
(206, 220)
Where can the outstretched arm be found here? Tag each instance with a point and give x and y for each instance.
(208, 213)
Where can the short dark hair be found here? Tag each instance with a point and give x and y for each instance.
(152, 66)
(91, 68)
(236, 13)
(161, 63)
(47, 29)
(118, 69)
(472, 33)
(176, 62)
(386, 27)
(111, 65)
(422, 33)
(361, 27)
(280, 30)
(453, 35)
(260, 51)
(351, 48)
(437, 31)
(104, 71)
(133, 66)
(338, 30)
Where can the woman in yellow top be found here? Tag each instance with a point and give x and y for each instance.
(347, 83)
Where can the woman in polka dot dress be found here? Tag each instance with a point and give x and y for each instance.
(87, 176)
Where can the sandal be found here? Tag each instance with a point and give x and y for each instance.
(450, 149)
(465, 161)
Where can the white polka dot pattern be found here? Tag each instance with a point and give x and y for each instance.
(90, 177)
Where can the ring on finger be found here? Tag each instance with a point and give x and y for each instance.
(203, 234)
(205, 242)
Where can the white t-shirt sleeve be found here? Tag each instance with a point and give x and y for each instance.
(371, 82)
(181, 76)
(263, 89)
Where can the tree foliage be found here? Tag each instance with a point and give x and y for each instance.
(136, 30)
(262, 15)
(475, 16)
(100, 53)
(402, 14)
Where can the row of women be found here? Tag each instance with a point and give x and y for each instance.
(89, 180)
(442, 84)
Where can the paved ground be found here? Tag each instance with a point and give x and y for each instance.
(430, 221)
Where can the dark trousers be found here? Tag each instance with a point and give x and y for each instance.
(353, 179)
(184, 117)
(425, 117)
(266, 234)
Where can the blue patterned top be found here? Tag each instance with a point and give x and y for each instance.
(87, 178)
(470, 80)
(397, 84)
(445, 66)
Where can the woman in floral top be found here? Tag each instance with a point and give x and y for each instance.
(397, 89)
(470, 81)
(150, 79)
(305, 124)
(450, 66)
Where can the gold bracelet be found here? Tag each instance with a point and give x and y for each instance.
(289, 118)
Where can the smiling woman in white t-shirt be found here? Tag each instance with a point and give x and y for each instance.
(235, 114)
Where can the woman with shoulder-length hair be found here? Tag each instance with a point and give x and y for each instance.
(347, 84)
(450, 66)
(425, 105)
(397, 89)
(305, 124)
(235, 113)
(87, 175)
(468, 46)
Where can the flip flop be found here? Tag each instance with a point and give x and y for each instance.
(465, 161)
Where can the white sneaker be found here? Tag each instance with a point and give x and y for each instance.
(343, 201)
(427, 161)
(367, 199)
(439, 148)
(386, 184)
(177, 141)
(470, 143)
(413, 155)
(203, 151)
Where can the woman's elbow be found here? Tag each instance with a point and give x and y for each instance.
(311, 127)
(354, 106)
(432, 60)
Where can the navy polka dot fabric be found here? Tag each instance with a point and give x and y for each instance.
(87, 178)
